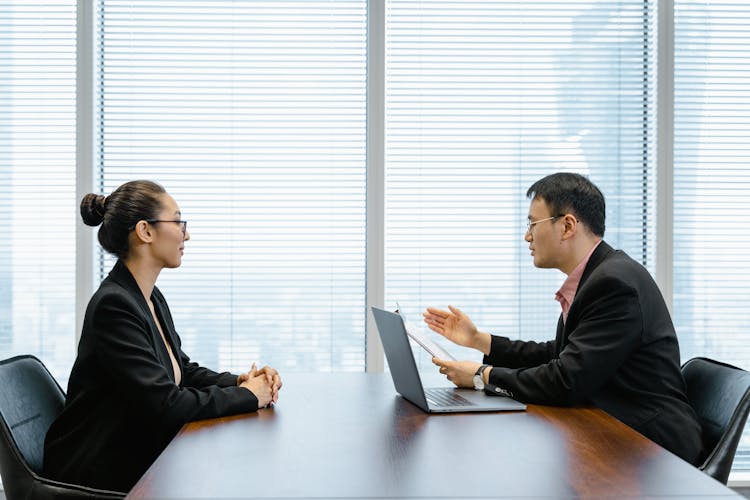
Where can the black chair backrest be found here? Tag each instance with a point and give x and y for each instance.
(720, 395)
(30, 400)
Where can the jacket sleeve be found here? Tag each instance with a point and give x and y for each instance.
(608, 331)
(124, 348)
(518, 353)
(199, 377)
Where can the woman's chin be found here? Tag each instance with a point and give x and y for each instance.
(174, 264)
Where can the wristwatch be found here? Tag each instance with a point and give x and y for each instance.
(478, 380)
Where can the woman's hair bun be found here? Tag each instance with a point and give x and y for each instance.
(92, 209)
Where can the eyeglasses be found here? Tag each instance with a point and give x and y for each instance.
(183, 223)
(530, 224)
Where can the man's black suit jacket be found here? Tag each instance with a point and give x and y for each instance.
(123, 406)
(617, 350)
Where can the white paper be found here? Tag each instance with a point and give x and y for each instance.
(419, 336)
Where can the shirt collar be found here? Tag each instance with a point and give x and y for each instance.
(567, 291)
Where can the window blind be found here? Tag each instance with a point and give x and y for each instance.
(711, 183)
(37, 182)
(482, 99)
(252, 115)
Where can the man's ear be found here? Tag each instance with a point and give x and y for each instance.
(143, 232)
(570, 226)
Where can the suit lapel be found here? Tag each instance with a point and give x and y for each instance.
(122, 276)
(564, 329)
(165, 319)
(561, 335)
(597, 258)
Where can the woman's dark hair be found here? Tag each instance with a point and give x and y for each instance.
(119, 212)
(572, 193)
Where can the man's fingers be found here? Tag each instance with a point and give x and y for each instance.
(438, 312)
(455, 310)
(440, 362)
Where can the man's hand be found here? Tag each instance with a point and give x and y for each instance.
(460, 373)
(457, 327)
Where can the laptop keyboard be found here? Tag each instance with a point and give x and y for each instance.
(446, 397)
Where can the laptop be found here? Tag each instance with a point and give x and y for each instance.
(408, 383)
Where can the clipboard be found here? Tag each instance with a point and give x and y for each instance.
(423, 340)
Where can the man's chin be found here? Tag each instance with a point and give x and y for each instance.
(540, 264)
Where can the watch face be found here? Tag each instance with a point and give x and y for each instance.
(478, 382)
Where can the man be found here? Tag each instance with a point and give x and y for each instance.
(616, 346)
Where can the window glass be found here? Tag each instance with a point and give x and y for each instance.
(252, 115)
(483, 99)
(712, 183)
(38, 182)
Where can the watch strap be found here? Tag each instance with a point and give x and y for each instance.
(479, 373)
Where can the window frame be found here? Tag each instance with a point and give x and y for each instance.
(375, 212)
(86, 164)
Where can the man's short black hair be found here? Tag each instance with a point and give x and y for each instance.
(568, 193)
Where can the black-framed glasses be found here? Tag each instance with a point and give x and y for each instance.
(182, 223)
(530, 224)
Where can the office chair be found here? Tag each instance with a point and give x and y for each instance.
(30, 400)
(720, 395)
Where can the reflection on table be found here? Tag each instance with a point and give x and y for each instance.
(349, 435)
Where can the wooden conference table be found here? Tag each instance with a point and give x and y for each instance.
(349, 435)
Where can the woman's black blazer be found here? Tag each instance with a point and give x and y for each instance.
(123, 406)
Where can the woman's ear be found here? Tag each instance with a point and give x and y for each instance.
(143, 232)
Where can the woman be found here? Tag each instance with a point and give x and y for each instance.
(132, 388)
